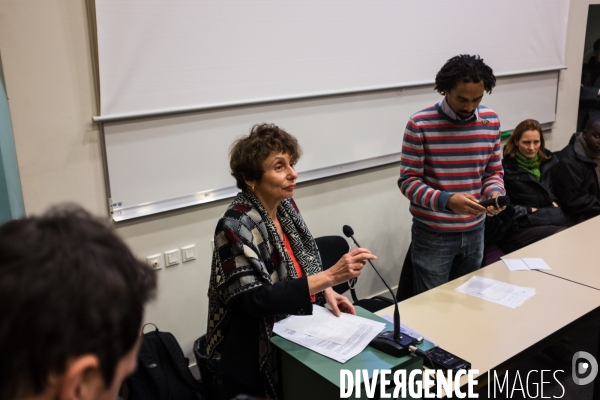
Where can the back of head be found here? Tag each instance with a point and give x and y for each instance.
(68, 287)
(464, 68)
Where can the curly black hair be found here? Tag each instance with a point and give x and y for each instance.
(465, 68)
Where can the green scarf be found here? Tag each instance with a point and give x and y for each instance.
(531, 165)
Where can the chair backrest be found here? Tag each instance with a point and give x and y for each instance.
(331, 249)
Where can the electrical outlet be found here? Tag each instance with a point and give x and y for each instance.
(155, 261)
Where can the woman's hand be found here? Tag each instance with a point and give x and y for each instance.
(348, 267)
(554, 204)
(338, 303)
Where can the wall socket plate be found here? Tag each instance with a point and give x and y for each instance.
(172, 257)
(155, 261)
(188, 253)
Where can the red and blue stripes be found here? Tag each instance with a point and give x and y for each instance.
(441, 157)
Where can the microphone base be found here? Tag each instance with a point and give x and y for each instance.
(385, 342)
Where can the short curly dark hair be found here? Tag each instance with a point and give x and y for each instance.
(248, 153)
(464, 68)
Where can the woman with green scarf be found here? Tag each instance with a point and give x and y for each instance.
(528, 167)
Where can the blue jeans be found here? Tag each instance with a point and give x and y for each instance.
(439, 257)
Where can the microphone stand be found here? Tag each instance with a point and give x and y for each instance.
(389, 342)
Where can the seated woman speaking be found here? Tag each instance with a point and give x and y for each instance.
(527, 179)
(266, 264)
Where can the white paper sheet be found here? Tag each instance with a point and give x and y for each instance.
(536, 263)
(323, 324)
(515, 264)
(363, 331)
(495, 291)
(525, 264)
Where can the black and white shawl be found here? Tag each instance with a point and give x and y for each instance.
(248, 252)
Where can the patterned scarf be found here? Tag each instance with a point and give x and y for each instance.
(531, 165)
(249, 253)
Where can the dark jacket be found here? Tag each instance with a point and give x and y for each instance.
(525, 191)
(589, 101)
(575, 182)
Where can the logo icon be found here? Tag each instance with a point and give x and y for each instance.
(582, 367)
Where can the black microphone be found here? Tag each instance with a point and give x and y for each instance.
(497, 202)
(389, 342)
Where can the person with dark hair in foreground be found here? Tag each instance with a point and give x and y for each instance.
(265, 264)
(528, 168)
(450, 162)
(576, 181)
(72, 297)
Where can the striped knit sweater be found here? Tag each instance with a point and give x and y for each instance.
(442, 156)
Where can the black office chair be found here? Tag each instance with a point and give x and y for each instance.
(332, 248)
(406, 287)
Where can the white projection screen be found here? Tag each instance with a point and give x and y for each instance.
(163, 63)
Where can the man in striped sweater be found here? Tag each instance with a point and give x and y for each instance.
(450, 161)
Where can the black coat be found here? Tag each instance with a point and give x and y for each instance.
(525, 192)
(590, 79)
(589, 100)
(576, 182)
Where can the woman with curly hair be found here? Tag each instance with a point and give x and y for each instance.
(266, 264)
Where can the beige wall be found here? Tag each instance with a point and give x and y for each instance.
(49, 76)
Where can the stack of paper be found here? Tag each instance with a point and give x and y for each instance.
(525, 264)
(339, 338)
(495, 291)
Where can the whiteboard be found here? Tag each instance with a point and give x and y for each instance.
(163, 163)
(167, 55)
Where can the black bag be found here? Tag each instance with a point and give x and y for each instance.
(500, 226)
(212, 378)
(162, 372)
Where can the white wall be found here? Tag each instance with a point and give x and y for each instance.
(49, 78)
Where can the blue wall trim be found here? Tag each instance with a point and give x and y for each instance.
(11, 195)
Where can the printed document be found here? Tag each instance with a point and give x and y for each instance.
(495, 291)
(327, 331)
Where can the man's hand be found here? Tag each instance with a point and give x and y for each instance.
(491, 210)
(464, 204)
